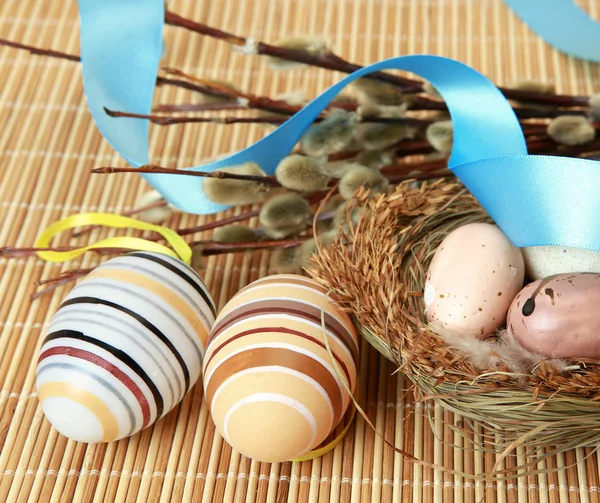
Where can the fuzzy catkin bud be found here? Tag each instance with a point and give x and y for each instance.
(285, 260)
(441, 135)
(235, 233)
(375, 159)
(362, 176)
(285, 215)
(311, 45)
(331, 135)
(595, 108)
(309, 247)
(369, 91)
(382, 136)
(209, 98)
(153, 215)
(235, 192)
(301, 173)
(535, 87)
(571, 130)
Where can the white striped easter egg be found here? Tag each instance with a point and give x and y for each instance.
(124, 347)
(271, 385)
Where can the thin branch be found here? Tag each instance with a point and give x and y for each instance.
(150, 168)
(326, 60)
(169, 120)
(12, 252)
(331, 61)
(217, 248)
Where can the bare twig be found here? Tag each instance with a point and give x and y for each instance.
(169, 120)
(12, 252)
(326, 60)
(333, 62)
(150, 168)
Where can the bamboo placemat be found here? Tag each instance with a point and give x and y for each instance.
(48, 145)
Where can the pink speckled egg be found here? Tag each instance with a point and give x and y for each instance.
(558, 316)
(475, 274)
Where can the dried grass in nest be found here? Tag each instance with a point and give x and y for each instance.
(377, 269)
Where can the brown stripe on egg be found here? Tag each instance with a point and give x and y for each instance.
(109, 367)
(299, 309)
(281, 357)
(284, 330)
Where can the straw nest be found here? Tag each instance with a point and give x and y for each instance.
(376, 271)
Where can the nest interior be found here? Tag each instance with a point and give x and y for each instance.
(376, 270)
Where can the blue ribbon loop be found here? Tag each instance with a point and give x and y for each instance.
(562, 24)
(535, 200)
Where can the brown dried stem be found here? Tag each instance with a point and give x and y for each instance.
(331, 61)
(326, 60)
(57, 281)
(12, 252)
(169, 120)
(217, 248)
(151, 168)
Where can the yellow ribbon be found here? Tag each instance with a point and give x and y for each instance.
(330, 446)
(181, 249)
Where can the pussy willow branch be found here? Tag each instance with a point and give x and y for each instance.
(264, 103)
(73, 57)
(326, 60)
(169, 120)
(331, 61)
(151, 168)
(521, 113)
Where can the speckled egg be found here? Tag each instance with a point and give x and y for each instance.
(271, 385)
(558, 316)
(124, 347)
(473, 277)
(544, 261)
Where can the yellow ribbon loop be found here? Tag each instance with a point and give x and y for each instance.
(181, 249)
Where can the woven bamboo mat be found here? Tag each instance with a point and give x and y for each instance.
(48, 144)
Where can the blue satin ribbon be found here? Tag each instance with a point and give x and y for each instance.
(562, 24)
(535, 200)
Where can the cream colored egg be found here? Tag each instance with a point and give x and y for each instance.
(544, 261)
(269, 380)
(473, 277)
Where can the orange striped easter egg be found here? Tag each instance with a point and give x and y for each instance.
(273, 389)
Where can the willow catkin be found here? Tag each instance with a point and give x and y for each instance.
(375, 159)
(535, 86)
(369, 91)
(235, 233)
(285, 260)
(571, 130)
(333, 134)
(594, 112)
(236, 192)
(309, 247)
(311, 45)
(362, 176)
(209, 98)
(284, 210)
(153, 215)
(301, 173)
(382, 136)
(440, 135)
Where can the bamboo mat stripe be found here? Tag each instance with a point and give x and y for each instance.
(48, 145)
